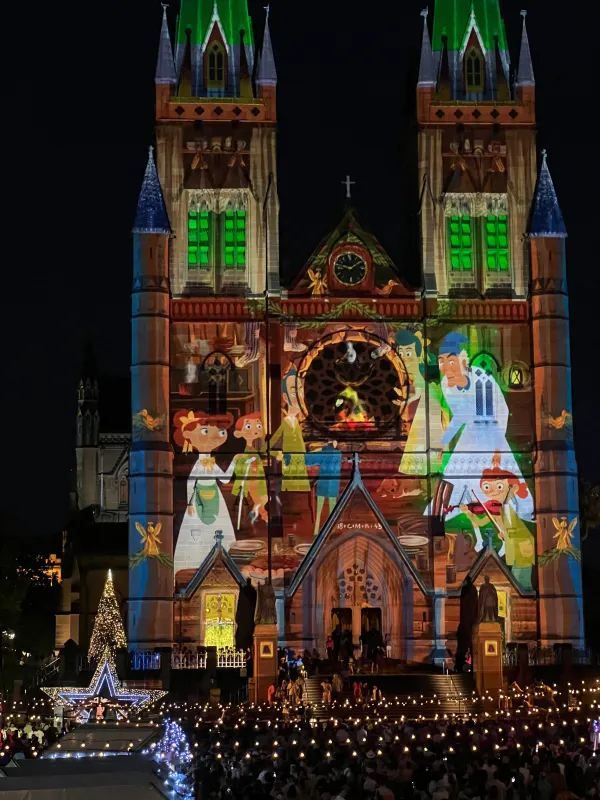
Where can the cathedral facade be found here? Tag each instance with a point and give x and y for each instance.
(362, 444)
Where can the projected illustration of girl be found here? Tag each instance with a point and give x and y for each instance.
(206, 509)
(410, 348)
(289, 435)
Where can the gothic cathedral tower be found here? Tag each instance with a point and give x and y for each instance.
(206, 228)
(482, 241)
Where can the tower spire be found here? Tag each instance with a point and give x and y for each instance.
(427, 77)
(165, 65)
(525, 76)
(546, 217)
(151, 215)
(267, 72)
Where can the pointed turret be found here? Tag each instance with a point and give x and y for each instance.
(266, 75)
(151, 215)
(87, 431)
(427, 72)
(555, 463)
(267, 72)
(212, 36)
(546, 217)
(469, 29)
(165, 65)
(525, 76)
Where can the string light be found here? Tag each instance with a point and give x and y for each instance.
(108, 626)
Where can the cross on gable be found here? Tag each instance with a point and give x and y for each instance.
(348, 183)
(219, 538)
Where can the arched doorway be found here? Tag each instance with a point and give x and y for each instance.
(360, 583)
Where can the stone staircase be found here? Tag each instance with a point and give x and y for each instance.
(413, 695)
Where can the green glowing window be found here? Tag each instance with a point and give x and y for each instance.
(200, 232)
(234, 239)
(496, 243)
(460, 238)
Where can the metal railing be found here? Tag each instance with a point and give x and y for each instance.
(548, 656)
(188, 660)
(543, 656)
(227, 658)
(142, 660)
(231, 659)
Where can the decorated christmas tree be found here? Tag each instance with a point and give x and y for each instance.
(173, 751)
(108, 627)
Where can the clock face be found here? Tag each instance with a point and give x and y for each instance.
(350, 269)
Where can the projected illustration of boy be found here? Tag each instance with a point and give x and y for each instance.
(248, 468)
(206, 509)
(329, 462)
(289, 435)
(506, 501)
(410, 348)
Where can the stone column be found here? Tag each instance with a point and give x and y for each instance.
(487, 657)
(265, 660)
(556, 489)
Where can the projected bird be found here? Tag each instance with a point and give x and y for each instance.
(560, 423)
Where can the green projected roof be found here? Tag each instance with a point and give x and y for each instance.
(196, 15)
(452, 17)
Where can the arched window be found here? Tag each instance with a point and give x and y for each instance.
(484, 396)
(474, 71)
(215, 369)
(216, 63)
(123, 490)
(485, 374)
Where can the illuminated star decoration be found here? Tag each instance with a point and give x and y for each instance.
(105, 677)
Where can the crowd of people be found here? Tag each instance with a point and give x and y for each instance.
(26, 739)
(370, 650)
(345, 663)
(372, 757)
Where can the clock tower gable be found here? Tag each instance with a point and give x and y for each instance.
(350, 262)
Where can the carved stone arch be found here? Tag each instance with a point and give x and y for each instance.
(214, 376)
(487, 362)
(381, 580)
(122, 481)
(216, 62)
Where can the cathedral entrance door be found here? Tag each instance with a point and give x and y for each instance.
(341, 627)
(371, 633)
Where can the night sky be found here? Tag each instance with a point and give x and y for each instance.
(82, 119)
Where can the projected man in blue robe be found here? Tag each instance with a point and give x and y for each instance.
(477, 428)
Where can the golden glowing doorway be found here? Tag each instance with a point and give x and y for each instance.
(219, 621)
